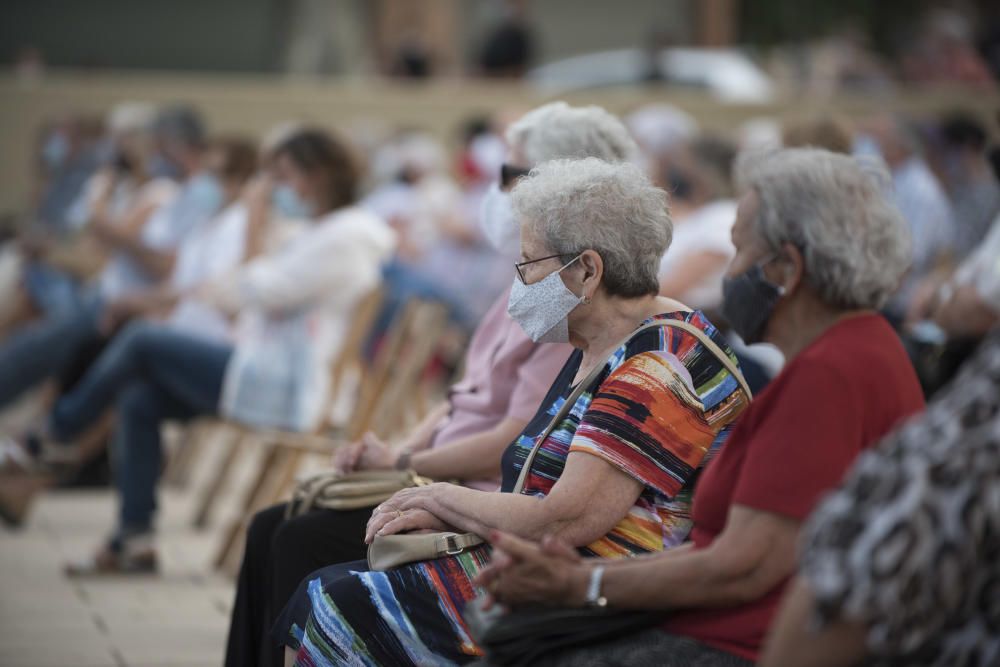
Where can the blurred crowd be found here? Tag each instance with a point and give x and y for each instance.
(145, 214)
(443, 199)
(169, 271)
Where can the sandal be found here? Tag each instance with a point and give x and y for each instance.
(17, 456)
(17, 492)
(110, 561)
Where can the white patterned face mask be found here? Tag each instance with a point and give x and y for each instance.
(542, 308)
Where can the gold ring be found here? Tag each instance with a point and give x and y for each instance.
(399, 515)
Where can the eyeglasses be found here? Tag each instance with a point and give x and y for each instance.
(509, 174)
(518, 265)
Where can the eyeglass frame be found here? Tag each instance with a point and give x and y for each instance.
(518, 265)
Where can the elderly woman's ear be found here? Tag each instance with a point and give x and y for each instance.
(789, 268)
(592, 269)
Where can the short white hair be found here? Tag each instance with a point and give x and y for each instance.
(559, 131)
(611, 208)
(855, 243)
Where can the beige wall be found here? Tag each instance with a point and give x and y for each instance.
(255, 103)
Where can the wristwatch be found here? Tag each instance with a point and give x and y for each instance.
(594, 597)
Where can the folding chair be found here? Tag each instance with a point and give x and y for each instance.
(349, 358)
(395, 374)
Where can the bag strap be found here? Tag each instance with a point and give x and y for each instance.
(702, 337)
(449, 544)
(712, 347)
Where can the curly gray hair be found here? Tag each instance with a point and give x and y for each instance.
(833, 207)
(557, 130)
(612, 208)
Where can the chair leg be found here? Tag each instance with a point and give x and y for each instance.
(217, 483)
(271, 473)
(182, 462)
(286, 478)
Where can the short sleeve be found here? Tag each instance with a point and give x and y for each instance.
(647, 421)
(534, 377)
(803, 445)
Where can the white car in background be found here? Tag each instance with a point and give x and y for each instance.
(728, 74)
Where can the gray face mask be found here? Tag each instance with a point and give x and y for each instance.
(542, 308)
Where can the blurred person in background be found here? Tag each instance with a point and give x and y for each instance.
(506, 378)
(509, 48)
(760, 133)
(661, 131)
(292, 310)
(70, 152)
(696, 171)
(920, 198)
(844, 61)
(693, 268)
(141, 242)
(208, 252)
(943, 51)
(481, 154)
(58, 264)
(952, 311)
(830, 133)
(959, 157)
(478, 163)
(442, 255)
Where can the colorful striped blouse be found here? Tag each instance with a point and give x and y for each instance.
(663, 406)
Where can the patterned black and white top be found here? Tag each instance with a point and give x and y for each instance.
(910, 543)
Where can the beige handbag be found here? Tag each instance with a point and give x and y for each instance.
(389, 551)
(350, 491)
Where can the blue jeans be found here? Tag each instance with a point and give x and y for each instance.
(52, 291)
(150, 373)
(45, 348)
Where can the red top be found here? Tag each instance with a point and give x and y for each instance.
(840, 395)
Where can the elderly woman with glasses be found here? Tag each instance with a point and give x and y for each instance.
(818, 249)
(613, 478)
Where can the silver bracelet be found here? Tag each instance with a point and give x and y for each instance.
(594, 597)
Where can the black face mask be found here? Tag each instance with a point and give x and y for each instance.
(748, 301)
(678, 184)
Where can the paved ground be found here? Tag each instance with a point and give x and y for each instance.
(179, 619)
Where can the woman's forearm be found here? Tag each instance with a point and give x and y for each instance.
(483, 511)
(740, 566)
(569, 517)
(573, 510)
(474, 457)
(258, 219)
(666, 581)
(420, 436)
